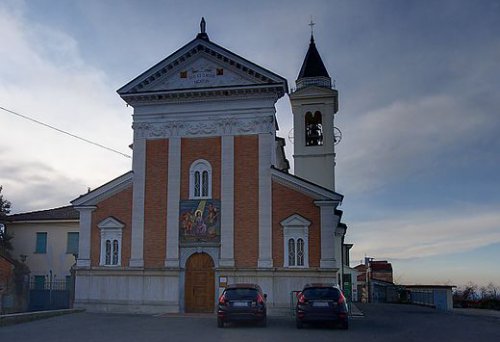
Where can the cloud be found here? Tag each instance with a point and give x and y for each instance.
(36, 186)
(408, 139)
(43, 76)
(426, 233)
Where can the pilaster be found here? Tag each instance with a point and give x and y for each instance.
(329, 222)
(266, 143)
(173, 198)
(139, 168)
(227, 202)
(83, 259)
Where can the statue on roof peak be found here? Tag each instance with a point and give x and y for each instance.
(203, 25)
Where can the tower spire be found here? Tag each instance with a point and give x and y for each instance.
(313, 71)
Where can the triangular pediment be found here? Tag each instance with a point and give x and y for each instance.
(199, 65)
(110, 223)
(295, 221)
(203, 72)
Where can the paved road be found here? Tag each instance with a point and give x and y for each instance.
(382, 322)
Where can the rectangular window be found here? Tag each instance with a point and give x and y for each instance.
(41, 243)
(72, 244)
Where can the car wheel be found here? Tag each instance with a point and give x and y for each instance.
(220, 323)
(299, 324)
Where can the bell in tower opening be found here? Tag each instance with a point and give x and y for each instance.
(314, 129)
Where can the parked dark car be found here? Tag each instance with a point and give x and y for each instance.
(241, 302)
(321, 303)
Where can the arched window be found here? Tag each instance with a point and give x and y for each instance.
(108, 252)
(314, 129)
(296, 240)
(200, 179)
(115, 252)
(111, 241)
(300, 252)
(291, 252)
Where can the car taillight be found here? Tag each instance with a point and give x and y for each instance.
(341, 299)
(300, 298)
(260, 299)
(222, 300)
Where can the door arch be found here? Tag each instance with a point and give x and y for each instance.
(199, 288)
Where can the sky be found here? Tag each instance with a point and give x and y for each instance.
(419, 90)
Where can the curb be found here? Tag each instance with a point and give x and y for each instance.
(32, 316)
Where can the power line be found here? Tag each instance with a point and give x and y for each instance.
(64, 132)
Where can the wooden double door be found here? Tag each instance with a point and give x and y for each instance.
(199, 288)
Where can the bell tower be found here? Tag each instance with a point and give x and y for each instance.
(314, 104)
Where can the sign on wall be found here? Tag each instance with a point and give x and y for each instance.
(199, 221)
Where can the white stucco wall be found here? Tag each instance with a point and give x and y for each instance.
(56, 259)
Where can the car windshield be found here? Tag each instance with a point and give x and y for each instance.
(329, 293)
(241, 293)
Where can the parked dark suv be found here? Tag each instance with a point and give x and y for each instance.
(242, 302)
(321, 303)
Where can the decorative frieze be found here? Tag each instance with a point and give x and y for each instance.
(209, 127)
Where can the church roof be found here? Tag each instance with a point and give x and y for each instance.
(306, 187)
(313, 64)
(104, 191)
(202, 69)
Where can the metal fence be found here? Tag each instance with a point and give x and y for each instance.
(51, 295)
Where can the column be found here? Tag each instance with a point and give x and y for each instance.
(227, 202)
(173, 198)
(84, 235)
(139, 168)
(266, 144)
(329, 222)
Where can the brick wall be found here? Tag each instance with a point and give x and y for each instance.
(287, 202)
(155, 205)
(120, 207)
(6, 271)
(201, 148)
(246, 206)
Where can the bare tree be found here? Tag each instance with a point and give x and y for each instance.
(5, 244)
(4, 206)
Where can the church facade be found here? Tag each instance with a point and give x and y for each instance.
(209, 200)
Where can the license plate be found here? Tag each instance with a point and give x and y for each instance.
(240, 304)
(320, 304)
